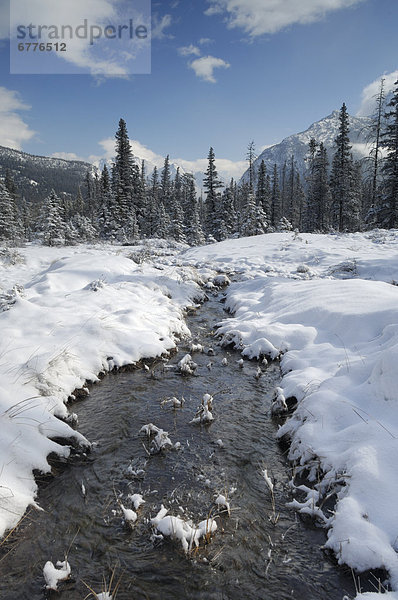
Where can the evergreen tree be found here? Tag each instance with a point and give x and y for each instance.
(227, 214)
(254, 220)
(376, 149)
(341, 179)
(122, 176)
(276, 201)
(9, 228)
(51, 221)
(319, 198)
(193, 226)
(251, 157)
(212, 184)
(263, 192)
(388, 214)
(165, 183)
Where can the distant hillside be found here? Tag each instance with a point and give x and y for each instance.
(326, 131)
(36, 176)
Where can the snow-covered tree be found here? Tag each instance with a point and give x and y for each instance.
(263, 192)
(51, 221)
(388, 214)
(254, 221)
(9, 227)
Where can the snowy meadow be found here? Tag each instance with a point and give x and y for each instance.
(325, 305)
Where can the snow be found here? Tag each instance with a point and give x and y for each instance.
(61, 331)
(54, 574)
(328, 306)
(325, 305)
(183, 531)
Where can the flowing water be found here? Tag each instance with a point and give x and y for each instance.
(248, 558)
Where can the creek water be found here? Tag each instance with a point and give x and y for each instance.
(249, 557)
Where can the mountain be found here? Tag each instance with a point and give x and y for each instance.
(326, 131)
(36, 176)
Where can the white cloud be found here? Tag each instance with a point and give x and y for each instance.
(105, 58)
(190, 50)
(205, 41)
(257, 17)
(204, 67)
(13, 130)
(159, 25)
(370, 92)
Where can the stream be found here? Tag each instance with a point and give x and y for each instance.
(249, 557)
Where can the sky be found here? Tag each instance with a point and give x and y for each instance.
(223, 73)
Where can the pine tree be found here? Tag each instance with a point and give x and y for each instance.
(319, 197)
(388, 216)
(165, 183)
(193, 226)
(227, 214)
(212, 184)
(276, 201)
(254, 220)
(8, 216)
(51, 221)
(341, 179)
(122, 176)
(251, 157)
(376, 149)
(263, 192)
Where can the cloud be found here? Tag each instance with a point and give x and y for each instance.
(204, 67)
(190, 50)
(205, 41)
(369, 93)
(159, 25)
(13, 130)
(257, 17)
(106, 57)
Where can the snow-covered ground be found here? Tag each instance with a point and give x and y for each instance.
(76, 312)
(327, 304)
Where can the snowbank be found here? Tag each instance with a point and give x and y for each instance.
(316, 302)
(79, 312)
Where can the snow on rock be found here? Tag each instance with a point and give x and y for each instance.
(60, 333)
(54, 574)
(129, 515)
(183, 531)
(187, 366)
(204, 411)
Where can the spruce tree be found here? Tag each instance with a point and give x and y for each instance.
(263, 192)
(8, 215)
(276, 201)
(212, 184)
(123, 174)
(341, 178)
(251, 157)
(388, 216)
(51, 221)
(254, 221)
(319, 197)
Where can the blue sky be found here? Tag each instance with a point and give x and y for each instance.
(280, 65)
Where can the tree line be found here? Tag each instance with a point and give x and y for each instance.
(123, 204)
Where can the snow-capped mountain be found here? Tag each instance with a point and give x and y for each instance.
(36, 176)
(326, 131)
